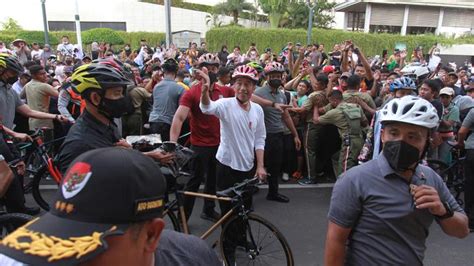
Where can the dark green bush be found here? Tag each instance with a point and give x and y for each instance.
(101, 35)
(133, 38)
(35, 36)
(371, 44)
(7, 37)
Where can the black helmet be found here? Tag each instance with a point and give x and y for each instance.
(10, 62)
(97, 76)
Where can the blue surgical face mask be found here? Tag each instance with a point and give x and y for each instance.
(187, 81)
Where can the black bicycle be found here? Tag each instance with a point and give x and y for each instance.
(453, 174)
(260, 242)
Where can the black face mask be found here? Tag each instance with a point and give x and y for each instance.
(401, 155)
(274, 83)
(113, 108)
(212, 77)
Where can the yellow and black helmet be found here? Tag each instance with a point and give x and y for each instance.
(10, 62)
(97, 76)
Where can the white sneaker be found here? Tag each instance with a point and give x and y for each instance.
(285, 177)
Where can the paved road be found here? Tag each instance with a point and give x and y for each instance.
(303, 222)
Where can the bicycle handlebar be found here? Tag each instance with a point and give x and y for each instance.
(238, 188)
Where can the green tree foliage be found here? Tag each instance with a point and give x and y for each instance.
(234, 8)
(11, 25)
(296, 15)
(102, 35)
(275, 10)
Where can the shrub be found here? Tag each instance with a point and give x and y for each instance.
(101, 35)
(35, 36)
(7, 37)
(371, 44)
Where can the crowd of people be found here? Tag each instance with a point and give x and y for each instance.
(300, 113)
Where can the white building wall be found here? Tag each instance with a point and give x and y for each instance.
(138, 16)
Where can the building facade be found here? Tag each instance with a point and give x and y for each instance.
(453, 17)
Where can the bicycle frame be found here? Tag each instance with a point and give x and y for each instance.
(48, 161)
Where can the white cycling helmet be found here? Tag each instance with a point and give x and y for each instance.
(411, 110)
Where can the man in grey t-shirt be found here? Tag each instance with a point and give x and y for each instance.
(274, 120)
(468, 144)
(166, 97)
(381, 211)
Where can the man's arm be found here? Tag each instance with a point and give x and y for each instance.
(335, 250)
(291, 126)
(178, 120)
(427, 197)
(267, 103)
(50, 91)
(345, 55)
(26, 111)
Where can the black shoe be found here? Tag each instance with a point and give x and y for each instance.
(33, 211)
(212, 216)
(278, 198)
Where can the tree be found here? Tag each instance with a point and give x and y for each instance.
(11, 25)
(294, 13)
(233, 8)
(213, 20)
(275, 10)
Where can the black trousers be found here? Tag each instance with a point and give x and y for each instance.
(289, 154)
(273, 160)
(14, 198)
(203, 168)
(161, 128)
(469, 186)
(226, 178)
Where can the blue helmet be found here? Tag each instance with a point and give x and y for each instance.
(402, 83)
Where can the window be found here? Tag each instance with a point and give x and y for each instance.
(355, 21)
(85, 25)
(385, 29)
(420, 30)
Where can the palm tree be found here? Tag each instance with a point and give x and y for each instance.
(275, 10)
(213, 20)
(234, 8)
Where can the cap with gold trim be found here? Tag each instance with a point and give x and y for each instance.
(103, 192)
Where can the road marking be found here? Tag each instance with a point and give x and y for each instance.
(282, 186)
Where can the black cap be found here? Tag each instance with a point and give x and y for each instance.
(102, 193)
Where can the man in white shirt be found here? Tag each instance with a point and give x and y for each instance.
(64, 48)
(36, 52)
(243, 134)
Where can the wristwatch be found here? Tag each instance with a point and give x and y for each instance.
(449, 212)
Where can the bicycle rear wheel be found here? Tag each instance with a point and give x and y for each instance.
(262, 244)
(171, 221)
(41, 181)
(441, 168)
(9, 222)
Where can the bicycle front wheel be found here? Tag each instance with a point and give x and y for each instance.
(254, 241)
(43, 181)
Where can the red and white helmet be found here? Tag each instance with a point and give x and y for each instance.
(208, 59)
(245, 71)
(274, 67)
